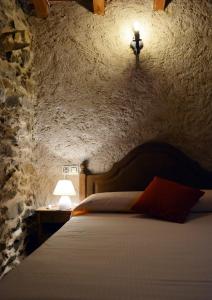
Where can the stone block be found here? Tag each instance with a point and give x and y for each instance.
(17, 244)
(13, 101)
(20, 89)
(21, 56)
(11, 259)
(3, 177)
(28, 168)
(29, 84)
(22, 39)
(16, 225)
(28, 212)
(21, 207)
(19, 23)
(17, 234)
(26, 57)
(8, 70)
(12, 18)
(6, 42)
(12, 210)
(2, 247)
(15, 56)
(8, 193)
(14, 41)
(2, 215)
(6, 150)
(12, 231)
(7, 84)
(2, 96)
(6, 28)
(29, 202)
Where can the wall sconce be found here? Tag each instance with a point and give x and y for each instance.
(137, 43)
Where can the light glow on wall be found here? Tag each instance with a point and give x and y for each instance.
(127, 31)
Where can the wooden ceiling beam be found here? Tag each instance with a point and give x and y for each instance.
(159, 4)
(41, 8)
(99, 7)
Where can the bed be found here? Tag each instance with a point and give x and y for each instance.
(125, 256)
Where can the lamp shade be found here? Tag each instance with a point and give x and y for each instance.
(64, 187)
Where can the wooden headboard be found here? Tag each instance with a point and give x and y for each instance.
(138, 167)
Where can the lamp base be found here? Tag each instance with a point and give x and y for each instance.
(65, 202)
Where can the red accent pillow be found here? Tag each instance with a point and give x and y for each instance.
(167, 200)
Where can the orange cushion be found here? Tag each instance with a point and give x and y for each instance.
(167, 200)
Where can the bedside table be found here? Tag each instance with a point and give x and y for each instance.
(50, 220)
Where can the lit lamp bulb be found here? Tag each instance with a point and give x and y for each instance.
(137, 43)
(64, 188)
(136, 27)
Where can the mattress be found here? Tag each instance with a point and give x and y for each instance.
(118, 257)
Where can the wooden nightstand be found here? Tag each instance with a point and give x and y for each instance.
(50, 220)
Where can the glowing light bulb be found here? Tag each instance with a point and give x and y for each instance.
(136, 26)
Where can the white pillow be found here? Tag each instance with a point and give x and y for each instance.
(107, 202)
(205, 203)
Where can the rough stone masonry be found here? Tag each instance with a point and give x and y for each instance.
(16, 144)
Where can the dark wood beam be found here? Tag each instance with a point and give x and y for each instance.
(159, 4)
(41, 8)
(99, 7)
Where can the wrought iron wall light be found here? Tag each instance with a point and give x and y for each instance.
(137, 43)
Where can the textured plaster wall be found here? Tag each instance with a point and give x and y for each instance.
(95, 101)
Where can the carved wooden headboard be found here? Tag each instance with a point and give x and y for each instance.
(138, 167)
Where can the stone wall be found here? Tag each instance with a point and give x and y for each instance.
(16, 144)
(95, 102)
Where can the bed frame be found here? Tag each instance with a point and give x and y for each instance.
(138, 167)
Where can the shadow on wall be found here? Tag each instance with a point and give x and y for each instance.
(142, 116)
(146, 115)
(167, 3)
(87, 4)
(133, 110)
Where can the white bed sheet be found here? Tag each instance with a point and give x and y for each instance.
(118, 257)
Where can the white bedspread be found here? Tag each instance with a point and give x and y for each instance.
(118, 257)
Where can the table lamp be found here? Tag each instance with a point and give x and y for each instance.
(64, 188)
